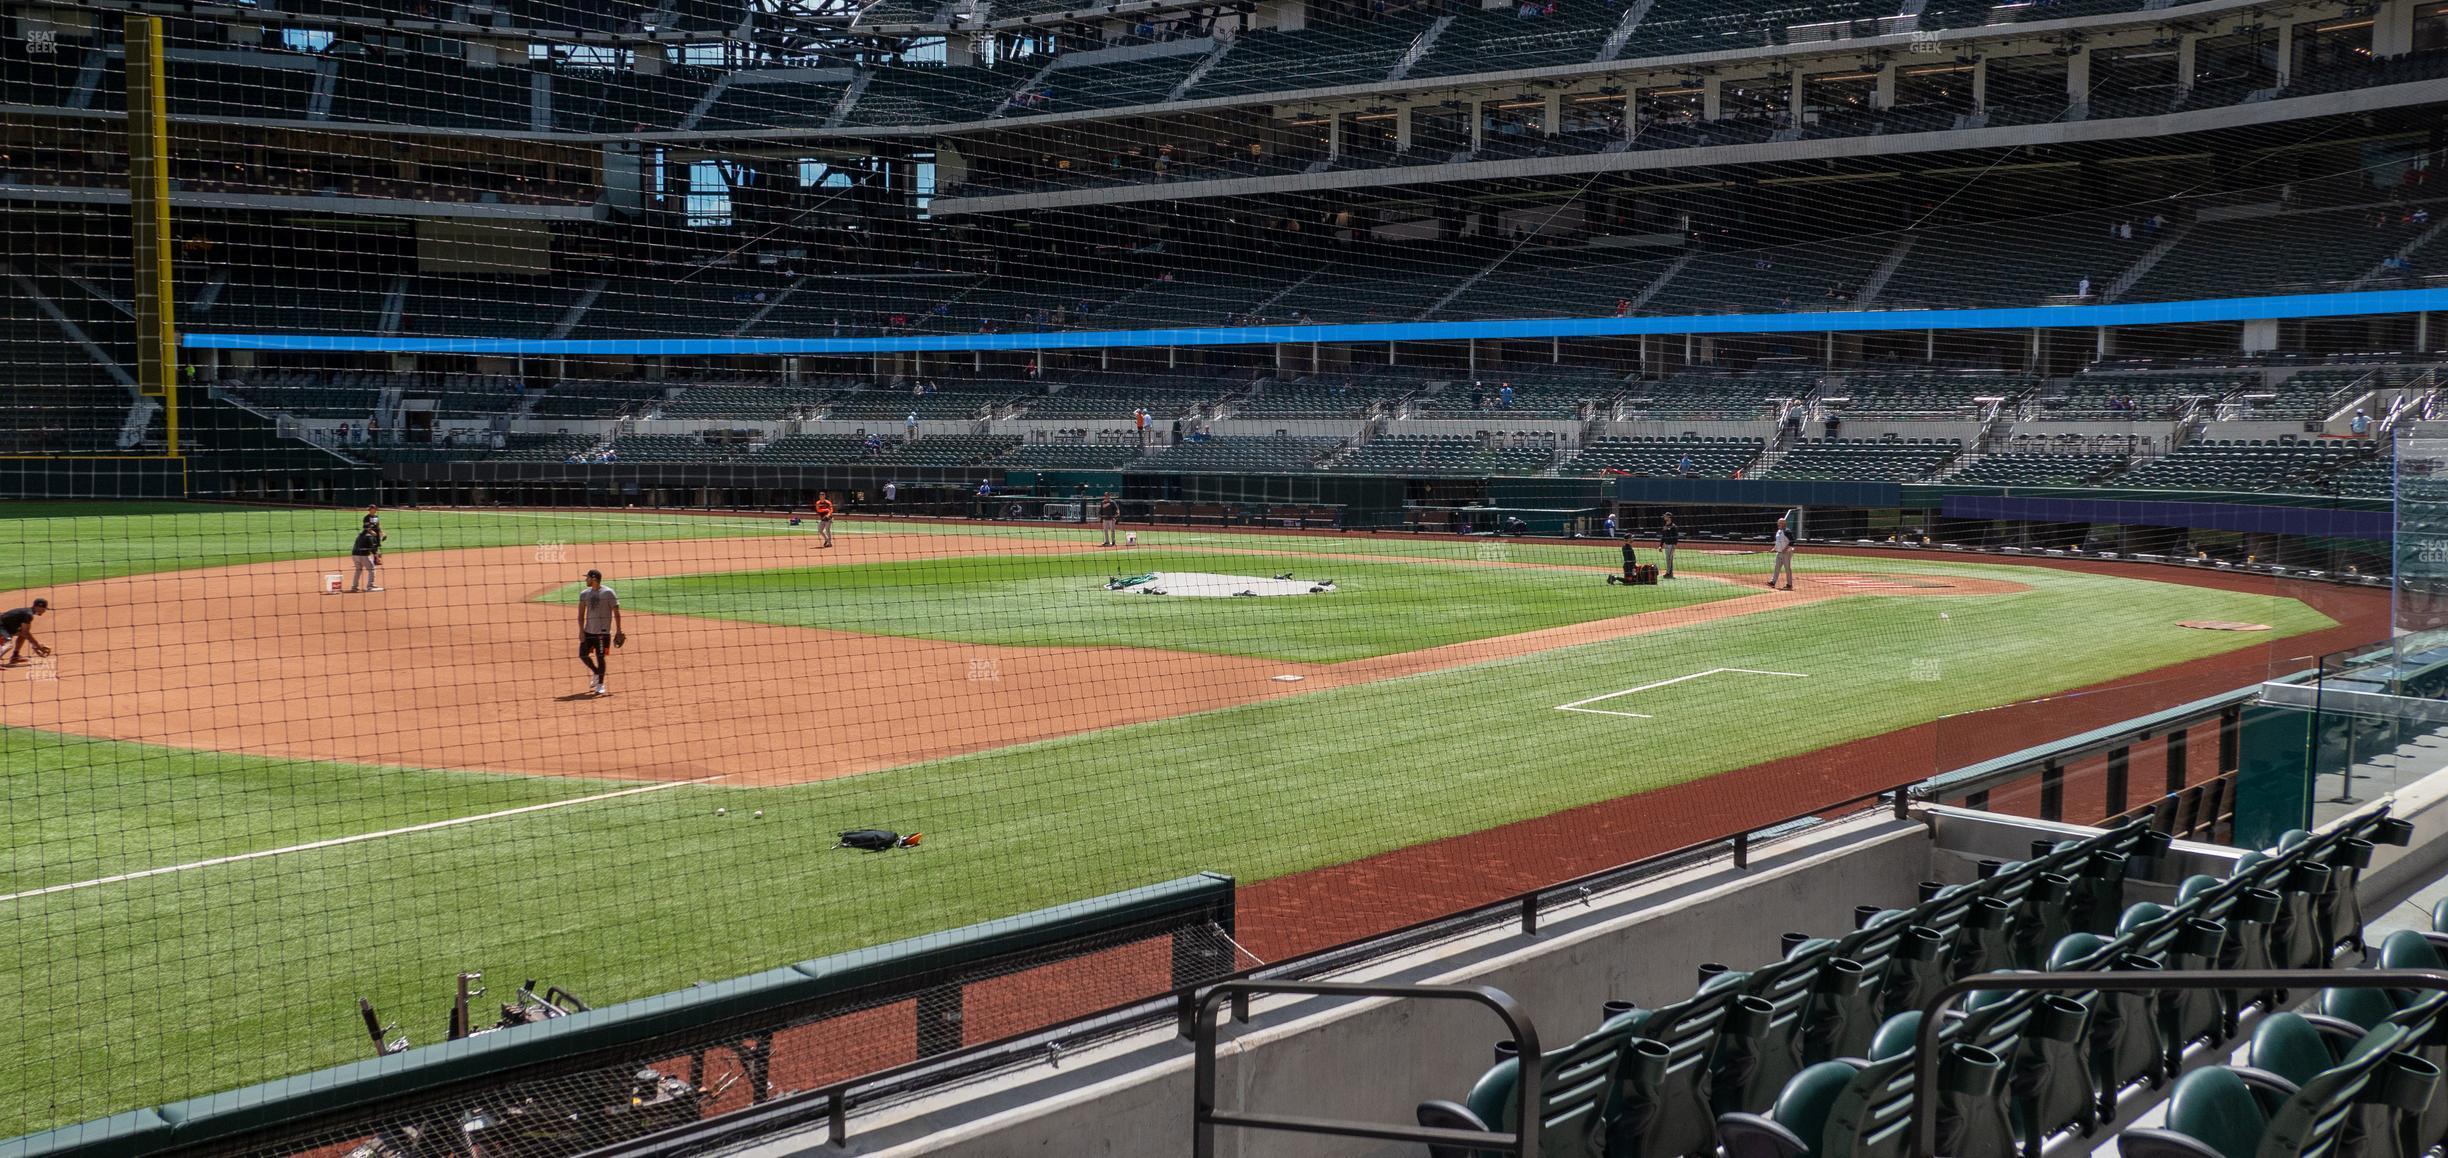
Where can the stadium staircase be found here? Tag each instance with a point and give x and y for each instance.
(539, 101)
(1624, 29)
(2421, 242)
(1460, 289)
(1224, 45)
(1035, 83)
(1420, 48)
(394, 306)
(1876, 283)
(712, 96)
(849, 99)
(771, 304)
(1665, 278)
(2148, 261)
(326, 83)
(89, 79)
(50, 309)
(1262, 307)
(578, 309)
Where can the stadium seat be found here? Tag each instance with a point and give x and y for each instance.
(1660, 1107)
(2125, 1050)
(2215, 1113)
(1574, 1084)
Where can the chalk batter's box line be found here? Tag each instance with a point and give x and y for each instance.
(1580, 705)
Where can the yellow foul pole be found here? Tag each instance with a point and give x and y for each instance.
(148, 139)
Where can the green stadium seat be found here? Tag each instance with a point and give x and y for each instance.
(1660, 1107)
(2216, 1113)
(2125, 1050)
(1574, 1084)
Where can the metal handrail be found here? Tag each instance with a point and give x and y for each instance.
(1524, 1140)
(1933, 1013)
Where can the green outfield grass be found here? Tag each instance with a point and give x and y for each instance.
(150, 989)
(1379, 608)
(42, 544)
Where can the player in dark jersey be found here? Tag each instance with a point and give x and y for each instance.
(17, 631)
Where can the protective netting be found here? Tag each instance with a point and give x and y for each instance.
(860, 351)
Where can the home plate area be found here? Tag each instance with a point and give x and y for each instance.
(1208, 585)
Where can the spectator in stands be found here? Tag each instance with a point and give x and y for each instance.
(1834, 424)
(1793, 418)
(1683, 466)
(2082, 289)
(1668, 536)
(1611, 531)
(1504, 396)
(985, 489)
(2360, 424)
(909, 427)
(1478, 395)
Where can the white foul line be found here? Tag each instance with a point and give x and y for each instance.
(341, 840)
(1575, 706)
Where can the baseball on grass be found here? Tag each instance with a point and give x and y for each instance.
(760, 814)
(722, 812)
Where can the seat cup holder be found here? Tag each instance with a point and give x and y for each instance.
(2309, 876)
(2260, 906)
(1507, 1050)
(2393, 831)
(2052, 887)
(2405, 1083)
(2356, 852)
(1645, 1062)
(1843, 978)
(1991, 868)
(1749, 1016)
(2059, 1018)
(2201, 937)
(2154, 843)
(1863, 913)
(1970, 1070)
(1989, 914)
(1792, 941)
(1920, 943)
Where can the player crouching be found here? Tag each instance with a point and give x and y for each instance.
(17, 632)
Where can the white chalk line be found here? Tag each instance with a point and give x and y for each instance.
(337, 841)
(1576, 705)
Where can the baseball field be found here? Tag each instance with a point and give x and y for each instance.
(235, 803)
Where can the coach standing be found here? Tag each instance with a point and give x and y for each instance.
(1668, 536)
(1109, 515)
(366, 555)
(1784, 558)
(599, 628)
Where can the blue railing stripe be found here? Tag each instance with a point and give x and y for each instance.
(2283, 306)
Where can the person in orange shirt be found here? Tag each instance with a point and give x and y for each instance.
(824, 519)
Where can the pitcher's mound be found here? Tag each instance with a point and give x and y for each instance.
(1208, 585)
